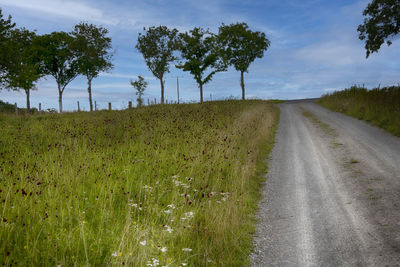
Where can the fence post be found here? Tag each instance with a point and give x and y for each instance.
(16, 108)
(40, 108)
(130, 104)
(79, 108)
(148, 102)
(155, 101)
(109, 106)
(95, 106)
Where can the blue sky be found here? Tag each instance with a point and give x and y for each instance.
(314, 48)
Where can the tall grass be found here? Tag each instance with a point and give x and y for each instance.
(163, 185)
(379, 106)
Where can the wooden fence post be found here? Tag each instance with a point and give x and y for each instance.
(79, 108)
(109, 106)
(40, 108)
(16, 108)
(95, 106)
(130, 104)
(148, 102)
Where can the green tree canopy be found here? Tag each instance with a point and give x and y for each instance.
(200, 52)
(241, 47)
(6, 26)
(381, 23)
(93, 49)
(24, 69)
(58, 59)
(157, 46)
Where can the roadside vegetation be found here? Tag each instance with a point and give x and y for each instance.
(379, 106)
(168, 185)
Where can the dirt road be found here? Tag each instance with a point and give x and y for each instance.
(332, 196)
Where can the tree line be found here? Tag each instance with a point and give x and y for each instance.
(25, 57)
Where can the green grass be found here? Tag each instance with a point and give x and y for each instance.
(169, 184)
(380, 107)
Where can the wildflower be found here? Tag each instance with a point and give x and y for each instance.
(143, 243)
(136, 206)
(188, 215)
(114, 254)
(169, 229)
(153, 262)
(163, 249)
(187, 249)
(147, 187)
(184, 263)
(167, 211)
(171, 206)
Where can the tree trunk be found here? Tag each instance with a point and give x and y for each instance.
(28, 103)
(201, 92)
(162, 90)
(90, 93)
(60, 98)
(242, 83)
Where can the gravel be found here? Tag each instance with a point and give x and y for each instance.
(332, 198)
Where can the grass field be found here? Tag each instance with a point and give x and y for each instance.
(171, 185)
(380, 107)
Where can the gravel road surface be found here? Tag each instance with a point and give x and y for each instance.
(332, 195)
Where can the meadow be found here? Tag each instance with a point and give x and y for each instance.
(165, 185)
(379, 106)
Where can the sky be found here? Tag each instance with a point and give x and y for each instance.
(314, 48)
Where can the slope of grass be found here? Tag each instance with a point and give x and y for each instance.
(161, 185)
(380, 107)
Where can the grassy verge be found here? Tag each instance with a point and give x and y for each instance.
(164, 185)
(380, 107)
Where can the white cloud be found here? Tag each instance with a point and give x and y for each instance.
(71, 9)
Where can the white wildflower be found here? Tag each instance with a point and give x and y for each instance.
(135, 205)
(184, 263)
(168, 229)
(167, 211)
(187, 215)
(187, 249)
(153, 262)
(179, 183)
(172, 206)
(114, 254)
(163, 249)
(147, 187)
(143, 243)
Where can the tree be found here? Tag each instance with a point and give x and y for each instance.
(140, 85)
(157, 46)
(6, 27)
(24, 69)
(200, 52)
(93, 51)
(241, 47)
(381, 23)
(58, 59)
